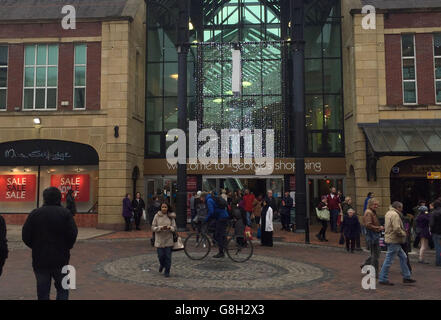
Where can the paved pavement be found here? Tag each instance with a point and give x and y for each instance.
(127, 269)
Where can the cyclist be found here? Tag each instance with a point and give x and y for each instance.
(217, 209)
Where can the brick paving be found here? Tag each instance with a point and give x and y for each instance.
(337, 275)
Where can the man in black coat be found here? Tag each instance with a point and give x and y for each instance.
(3, 244)
(285, 211)
(50, 231)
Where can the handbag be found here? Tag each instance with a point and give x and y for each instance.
(144, 216)
(323, 214)
(178, 244)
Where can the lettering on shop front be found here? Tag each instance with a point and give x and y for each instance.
(15, 188)
(37, 154)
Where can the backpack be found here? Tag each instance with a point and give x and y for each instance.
(220, 203)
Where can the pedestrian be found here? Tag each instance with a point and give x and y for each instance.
(236, 198)
(51, 232)
(3, 244)
(334, 206)
(370, 195)
(395, 235)
(164, 225)
(373, 233)
(351, 230)
(248, 199)
(257, 209)
(341, 196)
(240, 221)
(224, 195)
(70, 202)
(423, 231)
(323, 215)
(127, 212)
(217, 209)
(193, 203)
(153, 209)
(138, 206)
(346, 205)
(285, 211)
(266, 224)
(435, 229)
(271, 201)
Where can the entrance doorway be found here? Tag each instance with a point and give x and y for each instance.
(319, 186)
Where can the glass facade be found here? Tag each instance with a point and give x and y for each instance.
(261, 28)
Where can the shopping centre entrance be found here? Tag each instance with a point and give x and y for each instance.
(256, 185)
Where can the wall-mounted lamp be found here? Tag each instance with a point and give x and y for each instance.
(37, 121)
(116, 134)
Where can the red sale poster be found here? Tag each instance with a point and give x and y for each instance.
(79, 183)
(18, 188)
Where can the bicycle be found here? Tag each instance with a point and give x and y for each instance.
(197, 245)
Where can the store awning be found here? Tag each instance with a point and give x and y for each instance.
(400, 138)
(403, 138)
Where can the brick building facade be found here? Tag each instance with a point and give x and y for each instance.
(72, 85)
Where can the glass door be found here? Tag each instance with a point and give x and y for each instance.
(319, 186)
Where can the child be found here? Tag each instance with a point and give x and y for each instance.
(351, 229)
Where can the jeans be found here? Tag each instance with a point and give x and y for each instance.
(334, 218)
(436, 241)
(248, 219)
(44, 280)
(394, 249)
(374, 256)
(220, 234)
(165, 258)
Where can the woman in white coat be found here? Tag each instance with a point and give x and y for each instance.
(266, 224)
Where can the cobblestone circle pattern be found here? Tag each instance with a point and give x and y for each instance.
(260, 273)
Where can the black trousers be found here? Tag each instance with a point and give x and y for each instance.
(137, 216)
(350, 242)
(165, 258)
(44, 281)
(220, 234)
(322, 232)
(128, 224)
(286, 220)
(2, 263)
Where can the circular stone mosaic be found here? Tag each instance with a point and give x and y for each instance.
(259, 273)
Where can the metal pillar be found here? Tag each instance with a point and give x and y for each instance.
(298, 57)
(183, 48)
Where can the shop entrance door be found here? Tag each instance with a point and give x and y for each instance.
(319, 186)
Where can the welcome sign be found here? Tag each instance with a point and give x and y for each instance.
(18, 188)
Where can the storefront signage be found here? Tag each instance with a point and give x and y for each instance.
(79, 183)
(17, 188)
(433, 175)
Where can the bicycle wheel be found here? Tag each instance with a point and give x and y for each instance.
(197, 246)
(239, 250)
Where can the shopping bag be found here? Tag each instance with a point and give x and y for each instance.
(144, 216)
(339, 220)
(248, 233)
(178, 244)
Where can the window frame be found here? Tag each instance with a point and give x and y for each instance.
(403, 81)
(7, 74)
(435, 58)
(85, 77)
(47, 66)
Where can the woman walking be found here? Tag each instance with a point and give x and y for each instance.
(127, 211)
(423, 232)
(323, 215)
(70, 202)
(257, 210)
(138, 208)
(266, 224)
(164, 225)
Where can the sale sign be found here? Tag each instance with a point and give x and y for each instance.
(16, 188)
(79, 183)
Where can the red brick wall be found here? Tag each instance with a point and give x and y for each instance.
(49, 30)
(425, 68)
(82, 220)
(93, 81)
(65, 75)
(413, 20)
(15, 76)
(394, 87)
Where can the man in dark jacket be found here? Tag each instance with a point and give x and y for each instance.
(221, 216)
(3, 244)
(50, 231)
(285, 212)
(435, 229)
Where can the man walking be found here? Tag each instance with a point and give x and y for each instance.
(248, 198)
(3, 244)
(373, 231)
(435, 229)
(285, 212)
(50, 231)
(395, 235)
(217, 208)
(334, 205)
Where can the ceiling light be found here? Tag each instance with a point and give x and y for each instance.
(174, 76)
(190, 26)
(218, 100)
